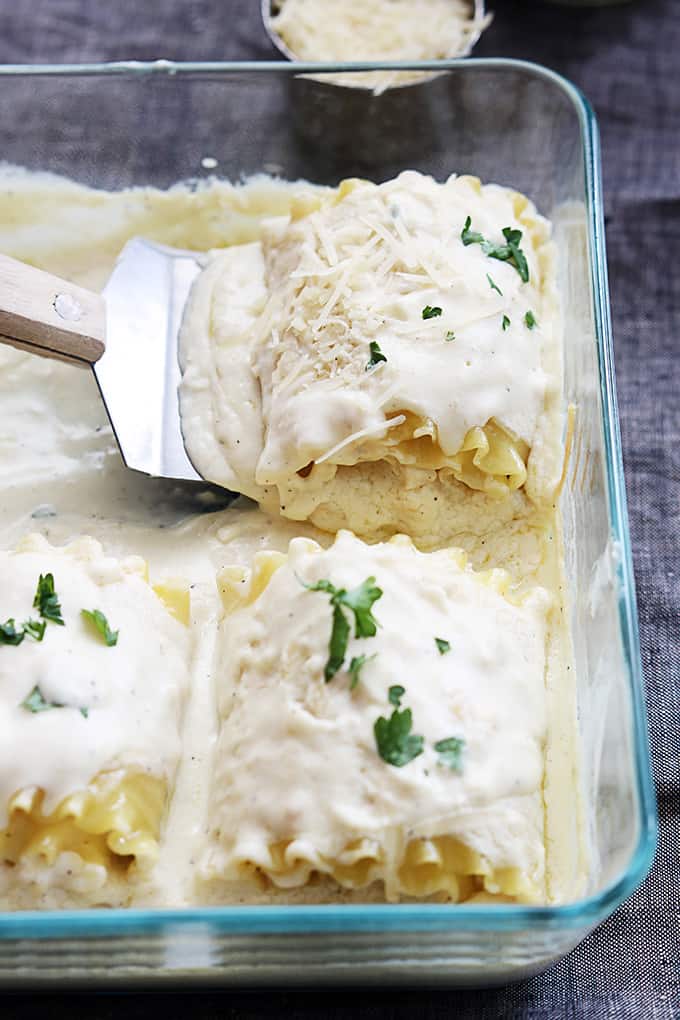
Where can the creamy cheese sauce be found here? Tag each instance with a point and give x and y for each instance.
(117, 708)
(61, 475)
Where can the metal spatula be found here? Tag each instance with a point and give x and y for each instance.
(128, 335)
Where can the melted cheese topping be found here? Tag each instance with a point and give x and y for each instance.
(279, 400)
(120, 705)
(299, 784)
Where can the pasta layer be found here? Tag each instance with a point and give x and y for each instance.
(113, 822)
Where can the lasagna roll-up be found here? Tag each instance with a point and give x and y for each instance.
(384, 359)
(382, 723)
(93, 671)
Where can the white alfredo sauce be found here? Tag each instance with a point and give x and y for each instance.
(119, 705)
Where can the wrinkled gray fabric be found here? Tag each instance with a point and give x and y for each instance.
(626, 59)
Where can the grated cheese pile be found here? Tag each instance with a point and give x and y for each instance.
(377, 30)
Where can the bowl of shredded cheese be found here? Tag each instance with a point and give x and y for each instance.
(394, 30)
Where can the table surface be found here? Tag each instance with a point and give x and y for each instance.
(625, 58)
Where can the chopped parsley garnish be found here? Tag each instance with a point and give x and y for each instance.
(355, 666)
(46, 600)
(517, 257)
(340, 636)
(431, 313)
(468, 236)
(494, 286)
(376, 355)
(36, 703)
(359, 601)
(508, 252)
(337, 646)
(9, 635)
(450, 336)
(530, 320)
(395, 694)
(506, 323)
(99, 621)
(393, 738)
(450, 751)
(442, 645)
(35, 629)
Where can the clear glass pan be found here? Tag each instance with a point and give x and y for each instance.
(117, 125)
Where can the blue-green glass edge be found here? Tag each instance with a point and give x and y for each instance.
(581, 914)
(616, 492)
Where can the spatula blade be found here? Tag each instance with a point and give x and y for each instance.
(139, 373)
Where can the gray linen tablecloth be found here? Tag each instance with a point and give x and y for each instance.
(626, 58)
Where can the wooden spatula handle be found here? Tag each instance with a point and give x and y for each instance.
(45, 315)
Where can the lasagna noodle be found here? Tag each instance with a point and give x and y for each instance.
(114, 821)
(279, 396)
(333, 807)
(101, 756)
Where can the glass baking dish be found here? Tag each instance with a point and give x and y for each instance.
(112, 126)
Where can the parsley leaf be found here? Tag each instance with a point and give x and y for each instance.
(493, 285)
(46, 600)
(443, 645)
(506, 323)
(337, 646)
(35, 629)
(431, 313)
(395, 694)
(355, 667)
(517, 257)
(9, 635)
(97, 618)
(450, 336)
(395, 743)
(36, 703)
(468, 236)
(494, 251)
(376, 355)
(322, 585)
(530, 320)
(450, 752)
(508, 252)
(359, 601)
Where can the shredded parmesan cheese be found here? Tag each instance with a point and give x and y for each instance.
(371, 430)
(317, 30)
